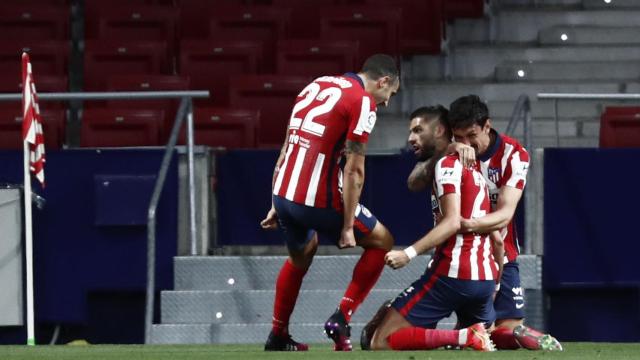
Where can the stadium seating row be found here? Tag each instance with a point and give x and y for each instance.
(106, 127)
(232, 48)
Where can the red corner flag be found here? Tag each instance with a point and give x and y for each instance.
(32, 123)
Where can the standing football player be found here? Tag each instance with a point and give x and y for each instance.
(331, 121)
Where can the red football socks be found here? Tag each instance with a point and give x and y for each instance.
(365, 275)
(287, 288)
(416, 338)
(504, 339)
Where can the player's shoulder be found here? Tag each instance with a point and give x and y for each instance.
(448, 161)
(515, 144)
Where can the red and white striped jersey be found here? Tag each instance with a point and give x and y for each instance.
(329, 111)
(506, 163)
(467, 256)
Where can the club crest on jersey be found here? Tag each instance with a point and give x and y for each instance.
(494, 175)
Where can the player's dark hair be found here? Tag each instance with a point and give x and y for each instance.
(438, 112)
(467, 111)
(380, 65)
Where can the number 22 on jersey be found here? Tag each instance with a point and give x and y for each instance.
(312, 92)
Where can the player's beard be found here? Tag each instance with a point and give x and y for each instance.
(426, 153)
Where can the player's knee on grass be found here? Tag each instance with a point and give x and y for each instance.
(509, 323)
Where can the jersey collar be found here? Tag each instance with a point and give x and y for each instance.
(354, 76)
(491, 151)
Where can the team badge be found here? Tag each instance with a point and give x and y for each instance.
(494, 175)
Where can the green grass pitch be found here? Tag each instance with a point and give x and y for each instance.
(575, 351)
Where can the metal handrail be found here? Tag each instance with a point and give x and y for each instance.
(111, 95)
(184, 110)
(576, 96)
(522, 109)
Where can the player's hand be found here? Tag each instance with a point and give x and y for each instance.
(347, 239)
(271, 221)
(467, 154)
(468, 225)
(396, 259)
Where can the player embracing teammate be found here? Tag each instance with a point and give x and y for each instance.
(409, 321)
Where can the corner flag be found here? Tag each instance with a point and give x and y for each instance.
(32, 121)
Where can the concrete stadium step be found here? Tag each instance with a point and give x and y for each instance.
(589, 35)
(546, 127)
(250, 333)
(445, 93)
(479, 61)
(574, 132)
(567, 109)
(572, 142)
(256, 306)
(523, 25)
(510, 71)
(326, 272)
(615, 4)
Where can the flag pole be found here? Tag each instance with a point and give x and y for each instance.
(29, 119)
(28, 246)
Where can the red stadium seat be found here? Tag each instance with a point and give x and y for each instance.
(47, 57)
(38, 2)
(33, 22)
(422, 25)
(44, 84)
(194, 15)
(212, 63)
(305, 23)
(274, 96)
(231, 128)
(463, 8)
(132, 23)
(53, 126)
(375, 28)
(251, 23)
(620, 127)
(103, 59)
(150, 83)
(120, 127)
(316, 57)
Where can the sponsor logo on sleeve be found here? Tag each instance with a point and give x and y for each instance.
(449, 176)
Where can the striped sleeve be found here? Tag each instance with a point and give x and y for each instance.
(517, 168)
(448, 176)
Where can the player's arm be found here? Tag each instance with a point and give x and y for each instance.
(352, 183)
(447, 227)
(421, 176)
(508, 198)
(466, 153)
(498, 253)
(271, 220)
(418, 180)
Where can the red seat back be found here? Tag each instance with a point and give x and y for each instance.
(274, 97)
(53, 127)
(375, 28)
(212, 63)
(103, 59)
(120, 127)
(620, 127)
(34, 22)
(230, 128)
(316, 57)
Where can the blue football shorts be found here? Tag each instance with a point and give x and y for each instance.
(299, 222)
